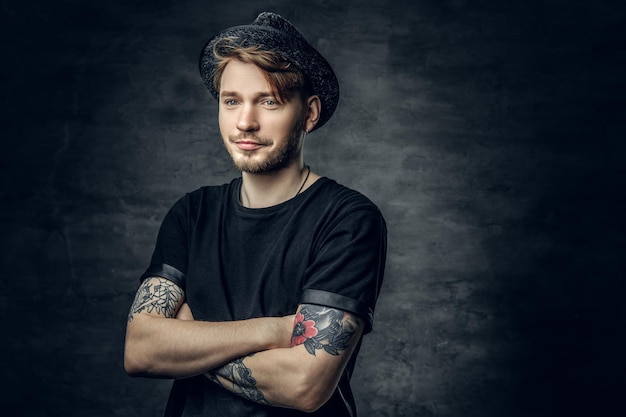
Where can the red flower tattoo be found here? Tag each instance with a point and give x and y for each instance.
(302, 330)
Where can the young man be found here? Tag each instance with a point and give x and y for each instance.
(259, 291)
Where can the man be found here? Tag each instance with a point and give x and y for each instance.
(259, 291)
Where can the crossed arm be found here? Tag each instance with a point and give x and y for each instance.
(292, 361)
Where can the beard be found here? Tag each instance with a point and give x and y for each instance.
(277, 160)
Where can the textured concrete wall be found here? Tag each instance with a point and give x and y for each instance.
(489, 133)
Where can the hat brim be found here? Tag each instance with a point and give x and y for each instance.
(294, 49)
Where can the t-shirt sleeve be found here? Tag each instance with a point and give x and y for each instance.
(169, 259)
(349, 264)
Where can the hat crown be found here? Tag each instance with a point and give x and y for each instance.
(277, 22)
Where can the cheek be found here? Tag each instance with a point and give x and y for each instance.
(284, 123)
(223, 122)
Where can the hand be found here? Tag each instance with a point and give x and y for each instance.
(184, 312)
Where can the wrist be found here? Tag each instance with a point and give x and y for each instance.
(273, 332)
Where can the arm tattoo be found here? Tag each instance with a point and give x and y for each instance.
(318, 327)
(156, 295)
(315, 327)
(236, 377)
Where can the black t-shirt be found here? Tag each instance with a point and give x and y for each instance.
(326, 246)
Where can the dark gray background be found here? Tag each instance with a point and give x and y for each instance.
(489, 133)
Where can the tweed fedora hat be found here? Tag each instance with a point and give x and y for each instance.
(273, 33)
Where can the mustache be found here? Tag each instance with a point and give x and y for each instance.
(251, 137)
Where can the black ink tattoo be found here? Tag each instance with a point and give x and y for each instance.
(156, 295)
(241, 381)
(318, 327)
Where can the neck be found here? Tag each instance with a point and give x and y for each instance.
(270, 189)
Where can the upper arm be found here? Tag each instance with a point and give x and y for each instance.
(330, 330)
(325, 339)
(348, 265)
(157, 297)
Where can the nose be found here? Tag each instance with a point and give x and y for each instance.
(247, 121)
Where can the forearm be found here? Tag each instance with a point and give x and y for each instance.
(166, 347)
(303, 376)
(280, 378)
(163, 340)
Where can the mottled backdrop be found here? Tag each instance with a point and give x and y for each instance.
(490, 133)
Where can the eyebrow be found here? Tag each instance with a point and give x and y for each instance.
(256, 95)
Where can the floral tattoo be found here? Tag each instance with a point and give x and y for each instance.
(236, 377)
(156, 295)
(315, 327)
(318, 327)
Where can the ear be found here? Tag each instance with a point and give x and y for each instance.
(313, 111)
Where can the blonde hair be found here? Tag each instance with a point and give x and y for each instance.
(283, 77)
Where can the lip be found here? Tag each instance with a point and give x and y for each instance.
(247, 145)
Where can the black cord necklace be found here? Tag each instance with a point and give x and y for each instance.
(299, 191)
(305, 179)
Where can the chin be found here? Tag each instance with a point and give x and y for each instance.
(260, 168)
(251, 165)
(267, 166)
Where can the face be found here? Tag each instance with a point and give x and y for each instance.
(260, 133)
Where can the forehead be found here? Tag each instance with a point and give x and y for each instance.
(243, 78)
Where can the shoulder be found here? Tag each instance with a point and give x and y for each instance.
(212, 191)
(196, 205)
(345, 199)
(206, 195)
(334, 208)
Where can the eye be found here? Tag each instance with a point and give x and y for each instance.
(270, 102)
(230, 102)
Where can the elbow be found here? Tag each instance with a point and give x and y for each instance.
(132, 362)
(137, 365)
(312, 402)
(132, 367)
(311, 394)
(311, 406)
(135, 358)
